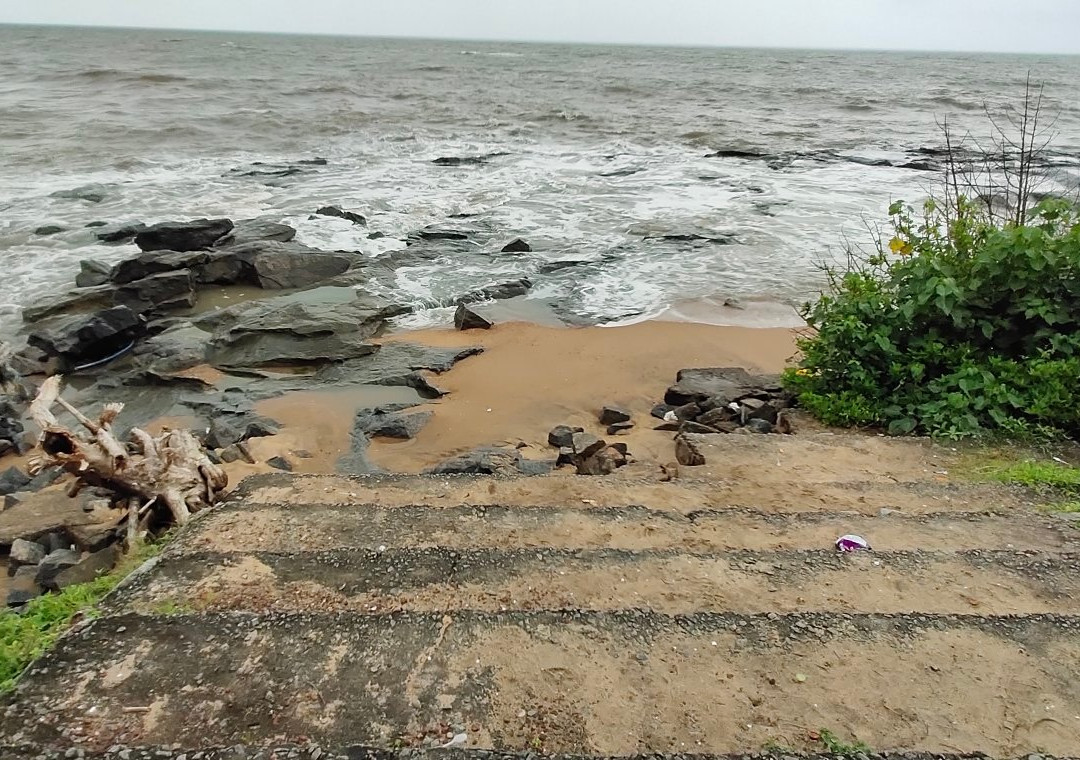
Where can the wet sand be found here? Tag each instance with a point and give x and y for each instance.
(529, 379)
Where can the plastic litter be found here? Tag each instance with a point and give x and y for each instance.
(850, 543)
(457, 741)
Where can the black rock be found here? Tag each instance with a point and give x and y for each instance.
(48, 229)
(91, 225)
(726, 384)
(660, 410)
(92, 273)
(688, 411)
(467, 319)
(183, 236)
(229, 429)
(13, 479)
(158, 293)
(714, 417)
(668, 426)
(54, 564)
(586, 444)
(88, 569)
(256, 230)
(88, 339)
(517, 246)
(611, 415)
(285, 268)
(17, 598)
(536, 466)
(620, 427)
(25, 552)
(342, 214)
(387, 422)
(120, 233)
(735, 153)
(45, 478)
(11, 427)
(156, 262)
(755, 409)
(93, 193)
(280, 463)
(562, 436)
(760, 426)
(460, 160)
(482, 461)
(53, 541)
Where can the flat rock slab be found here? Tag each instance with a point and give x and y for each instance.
(51, 510)
(577, 679)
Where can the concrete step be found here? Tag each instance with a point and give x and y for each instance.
(583, 682)
(667, 581)
(689, 493)
(241, 527)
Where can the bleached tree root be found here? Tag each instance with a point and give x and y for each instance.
(171, 469)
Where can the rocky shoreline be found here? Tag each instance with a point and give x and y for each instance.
(300, 320)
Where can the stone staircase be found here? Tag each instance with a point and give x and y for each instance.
(320, 616)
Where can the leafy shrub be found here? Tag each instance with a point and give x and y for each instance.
(952, 327)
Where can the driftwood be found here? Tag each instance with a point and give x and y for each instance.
(172, 469)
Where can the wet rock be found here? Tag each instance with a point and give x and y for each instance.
(342, 214)
(156, 262)
(158, 293)
(236, 453)
(92, 193)
(460, 160)
(759, 426)
(611, 415)
(517, 246)
(562, 436)
(735, 153)
(660, 410)
(48, 229)
(467, 319)
(17, 598)
(13, 479)
(92, 273)
(54, 564)
(88, 569)
(229, 429)
(586, 444)
(689, 411)
(499, 292)
(387, 422)
(86, 339)
(482, 461)
(620, 427)
(183, 236)
(25, 552)
(726, 384)
(716, 417)
(687, 452)
(321, 325)
(280, 463)
(120, 233)
(287, 269)
(256, 230)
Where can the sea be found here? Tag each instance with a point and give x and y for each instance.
(598, 156)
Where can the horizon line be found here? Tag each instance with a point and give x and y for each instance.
(515, 41)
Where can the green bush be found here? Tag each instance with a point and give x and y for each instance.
(952, 327)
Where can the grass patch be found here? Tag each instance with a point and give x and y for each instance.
(1057, 482)
(834, 745)
(25, 637)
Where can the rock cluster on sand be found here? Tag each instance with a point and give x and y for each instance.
(587, 453)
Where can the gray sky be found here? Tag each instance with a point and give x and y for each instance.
(991, 25)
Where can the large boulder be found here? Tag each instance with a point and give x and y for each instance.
(721, 384)
(88, 339)
(486, 460)
(255, 230)
(286, 270)
(158, 293)
(183, 236)
(319, 325)
(156, 262)
(517, 245)
(119, 233)
(467, 319)
(342, 214)
(92, 273)
(389, 422)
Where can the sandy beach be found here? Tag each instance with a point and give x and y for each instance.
(528, 379)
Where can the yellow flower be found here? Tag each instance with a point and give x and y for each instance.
(896, 245)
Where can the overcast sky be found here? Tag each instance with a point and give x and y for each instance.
(1051, 26)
